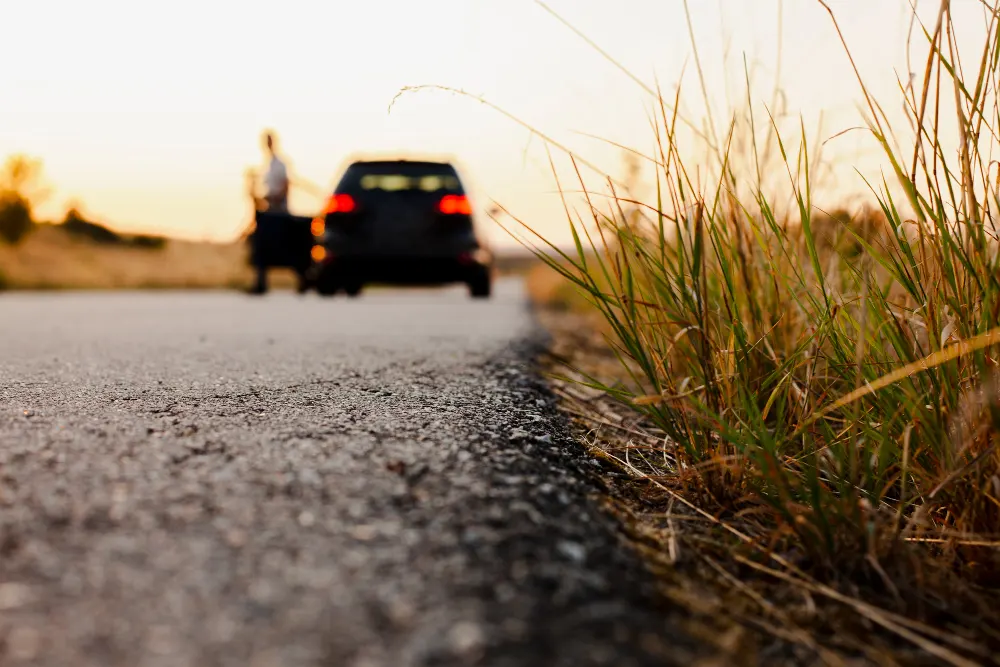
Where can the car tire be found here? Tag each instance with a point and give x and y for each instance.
(480, 288)
(353, 290)
(327, 288)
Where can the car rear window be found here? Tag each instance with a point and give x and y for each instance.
(401, 177)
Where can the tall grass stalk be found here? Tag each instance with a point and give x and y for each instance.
(837, 371)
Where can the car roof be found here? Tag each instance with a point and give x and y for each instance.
(385, 161)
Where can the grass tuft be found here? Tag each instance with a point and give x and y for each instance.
(835, 375)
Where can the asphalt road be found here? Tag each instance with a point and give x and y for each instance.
(212, 479)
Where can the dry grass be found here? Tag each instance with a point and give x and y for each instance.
(51, 259)
(548, 289)
(819, 390)
(742, 589)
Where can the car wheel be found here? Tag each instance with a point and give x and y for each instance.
(353, 290)
(327, 288)
(480, 288)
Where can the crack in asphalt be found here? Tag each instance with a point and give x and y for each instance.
(425, 507)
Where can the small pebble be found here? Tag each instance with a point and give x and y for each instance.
(236, 538)
(466, 638)
(14, 595)
(364, 533)
(574, 551)
(517, 434)
(23, 643)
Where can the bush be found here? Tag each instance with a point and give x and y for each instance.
(148, 242)
(76, 225)
(15, 217)
(20, 187)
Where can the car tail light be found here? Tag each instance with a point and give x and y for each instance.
(318, 226)
(455, 205)
(479, 256)
(341, 204)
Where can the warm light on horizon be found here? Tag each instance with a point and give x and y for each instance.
(149, 117)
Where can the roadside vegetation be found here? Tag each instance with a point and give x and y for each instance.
(80, 253)
(20, 190)
(817, 391)
(51, 258)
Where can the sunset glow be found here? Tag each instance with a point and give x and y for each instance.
(149, 115)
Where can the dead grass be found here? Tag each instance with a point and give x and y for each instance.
(548, 289)
(51, 259)
(816, 393)
(723, 567)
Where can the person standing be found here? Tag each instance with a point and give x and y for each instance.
(275, 200)
(275, 178)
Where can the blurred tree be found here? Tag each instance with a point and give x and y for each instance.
(20, 188)
(77, 225)
(15, 217)
(23, 175)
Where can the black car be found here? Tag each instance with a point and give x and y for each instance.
(399, 222)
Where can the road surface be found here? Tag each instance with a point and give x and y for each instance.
(213, 479)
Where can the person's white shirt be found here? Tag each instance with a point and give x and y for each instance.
(275, 178)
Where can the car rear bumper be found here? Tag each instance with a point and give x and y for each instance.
(403, 270)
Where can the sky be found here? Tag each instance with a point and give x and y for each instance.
(147, 114)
